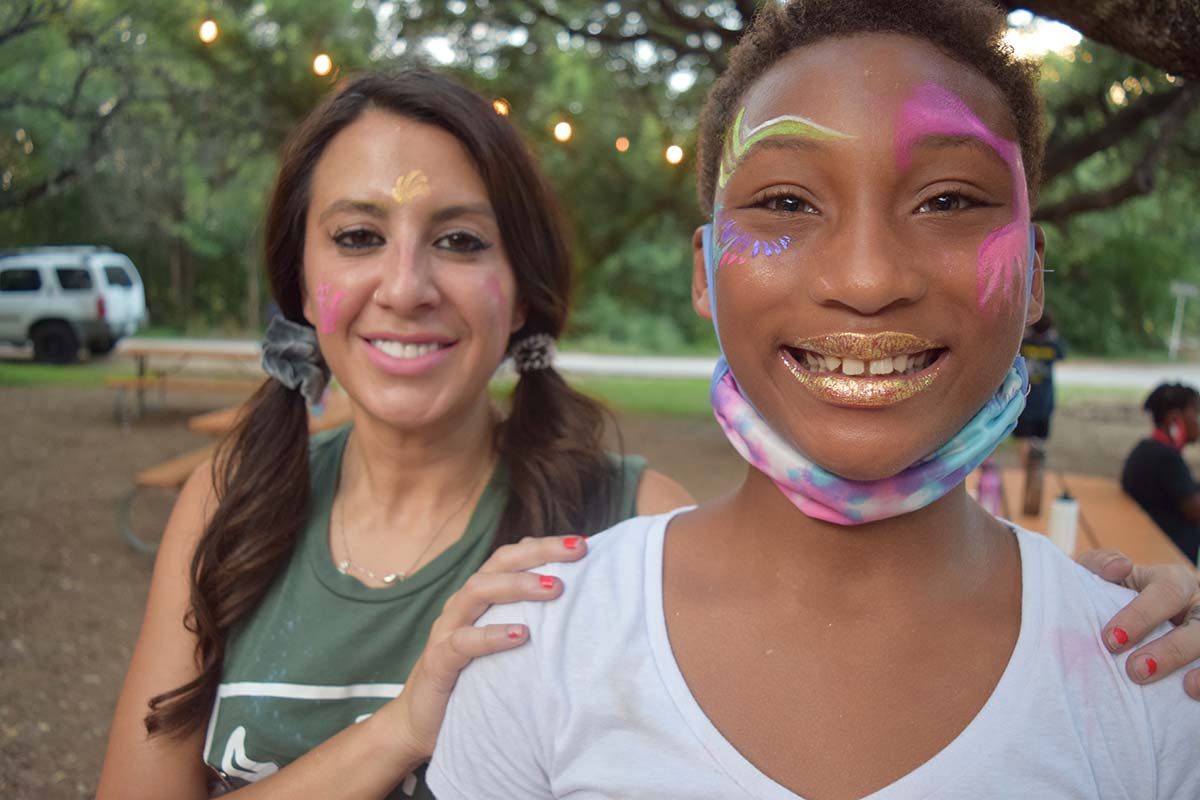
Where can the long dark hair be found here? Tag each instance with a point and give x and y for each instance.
(551, 443)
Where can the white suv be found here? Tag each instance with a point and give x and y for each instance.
(64, 298)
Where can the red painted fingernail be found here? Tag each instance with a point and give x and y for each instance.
(1121, 637)
(514, 633)
(571, 542)
(547, 582)
(1151, 666)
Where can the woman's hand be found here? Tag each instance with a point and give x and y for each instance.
(1165, 592)
(417, 713)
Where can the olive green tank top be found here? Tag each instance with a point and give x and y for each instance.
(322, 651)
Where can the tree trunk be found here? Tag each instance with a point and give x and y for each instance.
(1163, 33)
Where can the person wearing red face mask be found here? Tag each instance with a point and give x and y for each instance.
(1155, 474)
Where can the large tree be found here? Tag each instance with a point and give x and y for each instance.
(661, 36)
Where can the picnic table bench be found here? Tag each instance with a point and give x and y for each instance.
(173, 473)
(163, 383)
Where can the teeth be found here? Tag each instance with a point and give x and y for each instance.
(881, 366)
(403, 350)
(901, 364)
(852, 366)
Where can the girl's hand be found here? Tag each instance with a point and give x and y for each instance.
(1165, 592)
(417, 713)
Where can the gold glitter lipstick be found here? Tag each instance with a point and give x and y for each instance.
(860, 370)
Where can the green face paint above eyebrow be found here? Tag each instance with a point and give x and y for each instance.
(739, 142)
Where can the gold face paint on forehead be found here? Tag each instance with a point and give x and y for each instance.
(739, 142)
(410, 186)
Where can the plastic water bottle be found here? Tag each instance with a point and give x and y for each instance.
(1064, 522)
(988, 494)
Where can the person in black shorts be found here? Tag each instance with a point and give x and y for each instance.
(1041, 347)
(1155, 474)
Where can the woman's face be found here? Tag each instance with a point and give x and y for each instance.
(872, 235)
(405, 276)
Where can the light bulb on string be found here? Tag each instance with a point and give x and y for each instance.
(322, 64)
(622, 144)
(208, 31)
(562, 131)
(674, 154)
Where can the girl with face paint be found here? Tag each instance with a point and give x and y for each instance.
(847, 622)
(302, 585)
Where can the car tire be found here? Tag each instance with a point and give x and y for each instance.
(55, 343)
(102, 347)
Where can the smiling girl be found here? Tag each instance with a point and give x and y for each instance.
(847, 622)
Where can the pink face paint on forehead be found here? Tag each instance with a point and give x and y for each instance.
(327, 303)
(935, 111)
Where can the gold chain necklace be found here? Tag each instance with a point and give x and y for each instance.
(348, 563)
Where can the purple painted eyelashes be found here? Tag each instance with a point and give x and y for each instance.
(733, 243)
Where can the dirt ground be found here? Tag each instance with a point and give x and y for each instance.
(71, 591)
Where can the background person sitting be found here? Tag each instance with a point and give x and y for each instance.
(1155, 474)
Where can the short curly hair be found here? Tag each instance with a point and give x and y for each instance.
(968, 31)
(1168, 397)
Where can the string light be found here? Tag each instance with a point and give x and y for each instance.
(674, 154)
(622, 144)
(322, 64)
(562, 131)
(208, 31)
(501, 106)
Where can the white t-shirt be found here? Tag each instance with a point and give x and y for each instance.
(594, 706)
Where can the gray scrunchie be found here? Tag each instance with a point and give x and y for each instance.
(292, 357)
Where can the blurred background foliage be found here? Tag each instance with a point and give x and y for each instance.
(119, 126)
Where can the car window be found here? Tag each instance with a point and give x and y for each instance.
(20, 280)
(72, 279)
(117, 277)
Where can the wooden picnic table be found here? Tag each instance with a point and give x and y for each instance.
(1108, 518)
(246, 355)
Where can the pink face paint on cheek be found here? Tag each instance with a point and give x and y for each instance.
(498, 300)
(327, 303)
(494, 290)
(1003, 256)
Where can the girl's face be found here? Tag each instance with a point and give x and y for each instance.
(871, 232)
(405, 276)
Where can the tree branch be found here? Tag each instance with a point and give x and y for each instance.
(1062, 155)
(1163, 34)
(27, 21)
(1141, 179)
(653, 33)
(70, 172)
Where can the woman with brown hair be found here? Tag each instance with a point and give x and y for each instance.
(411, 244)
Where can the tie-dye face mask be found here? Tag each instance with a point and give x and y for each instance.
(821, 494)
